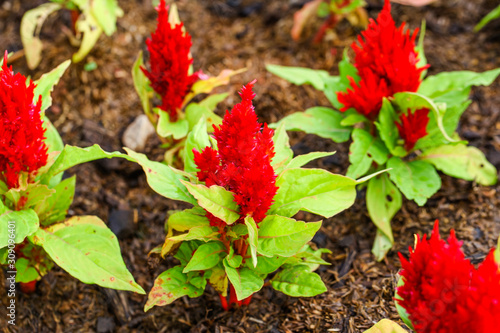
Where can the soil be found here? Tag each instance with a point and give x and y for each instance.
(96, 106)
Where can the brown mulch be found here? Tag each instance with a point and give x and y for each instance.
(97, 106)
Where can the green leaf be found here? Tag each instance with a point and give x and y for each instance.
(284, 236)
(420, 49)
(162, 178)
(216, 200)
(300, 75)
(402, 311)
(234, 260)
(497, 252)
(319, 120)
(386, 326)
(283, 153)
(106, 13)
(387, 129)
(25, 224)
(244, 280)
(71, 156)
(267, 265)
(45, 84)
(381, 245)
(253, 238)
(298, 281)
(169, 286)
(85, 248)
(197, 139)
(31, 25)
(91, 30)
(353, 119)
(313, 190)
(25, 271)
(363, 151)
(53, 139)
(383, 201)
(141, 84)
(55, 207)
(417, 180)
(195, 111)
(460, 161)
(185, 251)
(187, 219)
(448, 82)
(309, 257)
(205, 257)
(494, 14)
(204, 233)
(166, 128)
(302, 160)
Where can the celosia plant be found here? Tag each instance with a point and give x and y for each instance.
(245, 188)
(440, 291)
(333, 12)
(34, 199)
(90, 18)
(172, 80)
(397, 119)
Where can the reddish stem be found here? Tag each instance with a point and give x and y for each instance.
(330, 22)
(223, 302)
(75, 14)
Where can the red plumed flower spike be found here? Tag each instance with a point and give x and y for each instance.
(367, 96)
(444, 293)
(413, 126)
(22, 146)
(242, 164)
(169, 49)
(386, 55)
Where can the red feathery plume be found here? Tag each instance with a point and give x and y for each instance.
(22, 146)
(242, 163)
(169, 49)
(386, 55)
(413, 126)
(366, 98)
(444, 293)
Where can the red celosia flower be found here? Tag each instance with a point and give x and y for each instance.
(444, 293)
(242, 164)
(413, 126)
(366, 98)
(384, 56)
(22, 146)
(169, 49)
